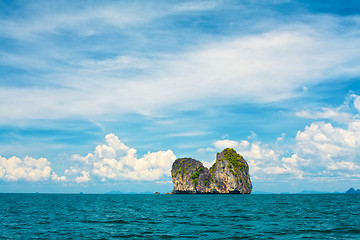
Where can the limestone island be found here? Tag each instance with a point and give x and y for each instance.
(229, 174)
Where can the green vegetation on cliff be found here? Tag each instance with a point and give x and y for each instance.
(195, 176)
(235, 160)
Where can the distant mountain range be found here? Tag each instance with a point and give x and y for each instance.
(302, 192)
(350, 191)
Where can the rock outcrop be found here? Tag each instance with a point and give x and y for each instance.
(190, 176)
(229, 174)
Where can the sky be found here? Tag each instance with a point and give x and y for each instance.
(99, 96)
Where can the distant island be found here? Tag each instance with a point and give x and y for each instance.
(229, 174)
(353, 191)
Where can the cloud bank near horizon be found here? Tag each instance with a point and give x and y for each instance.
(320, 150)
(113, 161)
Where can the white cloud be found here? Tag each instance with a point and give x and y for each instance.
(56, 178)
(208, 164)
(357, 102)
(326, 113)
(28, 169)
(84, 178)
(345, 113)
(323, 150)
(320, 150)
(208, 149)
(231, 144)
(327, 142)
(291, 165)
(331, 150)
(92, 19)
(195, 6)
(117, 63)
(116, 161)
(279, 139)
(187, 134)
(343, 166)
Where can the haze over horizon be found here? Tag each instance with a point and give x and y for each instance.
(104, 96)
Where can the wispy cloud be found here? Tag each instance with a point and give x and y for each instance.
(345, 113)
(91, 19)
(264, 67)
(326, 113)
(188, 134)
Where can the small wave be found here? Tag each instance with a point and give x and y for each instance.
(132, 236)
(354, 231)
(203, 215)
(116, 221)
(90, 221)
(165, 236)
(109, 221)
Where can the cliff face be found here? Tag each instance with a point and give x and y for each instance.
(189, 176)
(229, 174)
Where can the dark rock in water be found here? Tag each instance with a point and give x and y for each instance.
(157, 193)
(229, 174)
(353, 191)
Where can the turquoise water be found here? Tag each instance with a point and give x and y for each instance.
(64, 216)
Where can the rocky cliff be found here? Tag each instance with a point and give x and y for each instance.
(229, 174)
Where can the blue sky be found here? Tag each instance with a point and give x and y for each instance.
(100, 96)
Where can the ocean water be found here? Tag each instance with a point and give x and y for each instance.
(75, 216)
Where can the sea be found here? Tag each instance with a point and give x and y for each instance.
(147, 216)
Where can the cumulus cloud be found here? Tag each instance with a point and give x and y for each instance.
(328, 141)
(28, 169)
(319, 150)
(56, 178)
(330, 148)
(116, 161)
(84, 178)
